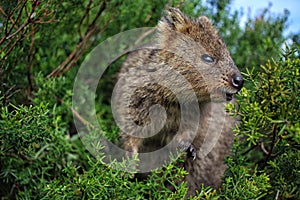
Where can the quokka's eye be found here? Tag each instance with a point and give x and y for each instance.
(208, 59)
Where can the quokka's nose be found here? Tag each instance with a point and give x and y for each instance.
(237, 82)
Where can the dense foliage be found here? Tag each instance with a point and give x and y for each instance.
(269, 128)
(42, 44)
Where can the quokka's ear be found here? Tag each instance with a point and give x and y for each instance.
(173, 20)
(204, 22)
(207, 26)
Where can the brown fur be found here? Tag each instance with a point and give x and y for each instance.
(181, 43)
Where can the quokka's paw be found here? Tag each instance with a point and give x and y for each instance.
(189, 148)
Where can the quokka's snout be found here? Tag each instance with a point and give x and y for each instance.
(237, 82)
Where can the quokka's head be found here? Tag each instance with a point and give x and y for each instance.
(207, 64)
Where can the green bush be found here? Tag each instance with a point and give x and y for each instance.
(269, 125)
(34, 149)
(104, 182)
(242, 182)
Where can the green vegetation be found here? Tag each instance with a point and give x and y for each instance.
(266, 156)
(43, 43)
(269, 112)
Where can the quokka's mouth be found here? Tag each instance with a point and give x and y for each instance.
(229, 96)
(224, 94)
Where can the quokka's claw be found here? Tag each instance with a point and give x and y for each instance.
(191, 152)
(189, 148)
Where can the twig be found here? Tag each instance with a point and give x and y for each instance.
(18, 17)
(250, 149)
(265, 150)
(30, 55)
(81, 119)
(39, 21)
(13, 22)
(143, 36)
(11, 48)
(85, 122)
(14, 92)
(28, 20)
(277, 195)
(6, 15)
(8, 39)
(65, 62)
(19, 29)
(7, 94)
(273, 143)
(102, 8)
(82, 45)
(87, 10)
